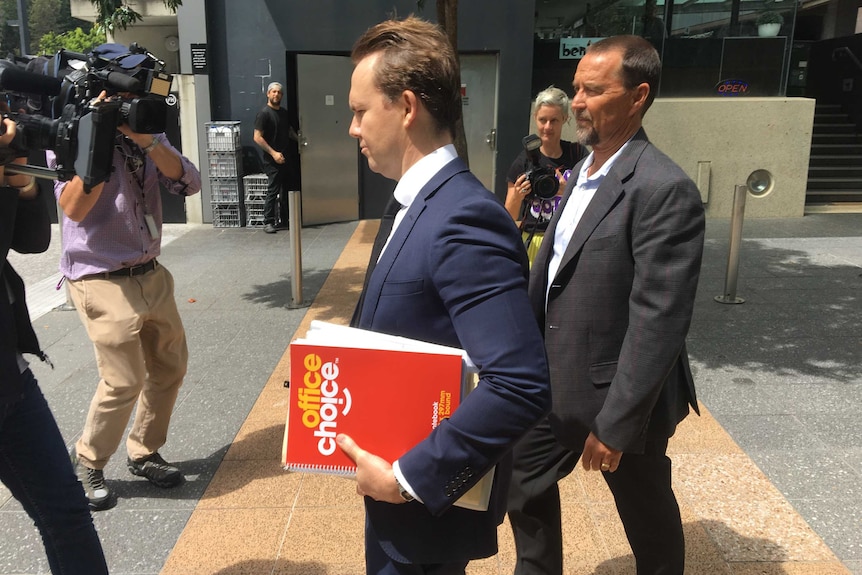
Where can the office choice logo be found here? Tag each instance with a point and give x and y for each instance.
(319, 399)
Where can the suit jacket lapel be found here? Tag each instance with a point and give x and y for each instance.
(371, 295)
(606, 197)
(539, 270)
(386, 221)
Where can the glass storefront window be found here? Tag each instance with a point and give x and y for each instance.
(708, 47)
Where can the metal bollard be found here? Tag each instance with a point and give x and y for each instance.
(293, 204)
(759, 183)
(736, 219)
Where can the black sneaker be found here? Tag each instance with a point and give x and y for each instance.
(157, 471)
(99, 497)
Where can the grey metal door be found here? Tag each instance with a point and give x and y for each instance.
(328, 155)
(479, 103)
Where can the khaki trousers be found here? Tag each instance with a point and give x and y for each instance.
(142, 356)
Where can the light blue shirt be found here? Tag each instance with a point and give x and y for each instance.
(114, 234)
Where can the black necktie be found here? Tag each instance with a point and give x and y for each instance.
(386, 221)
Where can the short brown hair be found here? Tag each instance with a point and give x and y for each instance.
(641, 62)
(415, 55)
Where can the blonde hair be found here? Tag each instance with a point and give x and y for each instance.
(552, 96)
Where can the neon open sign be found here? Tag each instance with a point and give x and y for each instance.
(732, 87)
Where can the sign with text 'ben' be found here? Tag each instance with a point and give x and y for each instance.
(575, 48)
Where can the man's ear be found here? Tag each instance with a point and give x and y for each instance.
(410, 102)
(641, 93)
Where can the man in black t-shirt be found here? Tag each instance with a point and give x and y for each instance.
(273, 132)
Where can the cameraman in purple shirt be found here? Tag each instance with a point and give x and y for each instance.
(125, 299)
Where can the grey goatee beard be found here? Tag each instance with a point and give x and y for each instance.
(587, 136)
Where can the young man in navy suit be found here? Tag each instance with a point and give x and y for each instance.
(453, 271)
(613, 285)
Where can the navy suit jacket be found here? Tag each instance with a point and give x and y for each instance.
(620, 306)
(455, 273)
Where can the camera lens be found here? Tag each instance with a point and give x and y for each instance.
(544, 185)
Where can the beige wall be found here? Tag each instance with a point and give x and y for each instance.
(720, 141)
(189, 133)
(155, 40)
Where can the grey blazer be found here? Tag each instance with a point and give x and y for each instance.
(620, 306)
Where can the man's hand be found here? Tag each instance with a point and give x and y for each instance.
(27, 188)
(374, 475)
(278, 157)
(599, 457)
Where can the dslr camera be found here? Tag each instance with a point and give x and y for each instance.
(54, 108)
(543, 180)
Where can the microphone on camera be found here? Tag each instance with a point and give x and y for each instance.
(14, 79)
(119, 81)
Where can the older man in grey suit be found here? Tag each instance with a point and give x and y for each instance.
(613, 288)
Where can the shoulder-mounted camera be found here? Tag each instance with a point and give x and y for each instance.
(52, 101)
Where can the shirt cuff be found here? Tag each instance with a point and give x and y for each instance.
(403, 481)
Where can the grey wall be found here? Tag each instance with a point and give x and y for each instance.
(249, 41)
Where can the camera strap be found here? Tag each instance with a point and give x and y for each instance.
(136, 165)
(139, 179)
(134, 159)
(529, 228)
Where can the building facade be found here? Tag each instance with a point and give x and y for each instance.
(735, 95)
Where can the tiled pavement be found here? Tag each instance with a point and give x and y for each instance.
(769, 477)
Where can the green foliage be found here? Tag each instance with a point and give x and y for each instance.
(44, 17)
(75, 40)
(114, 14)
(769, 17)
(9, 42)
(50, 17)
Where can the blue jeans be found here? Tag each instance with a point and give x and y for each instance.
(35, 467)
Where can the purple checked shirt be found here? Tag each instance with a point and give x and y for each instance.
(114, 234)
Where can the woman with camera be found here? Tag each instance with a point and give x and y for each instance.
(550, 112)
(34, 463)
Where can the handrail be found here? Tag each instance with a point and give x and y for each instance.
(845, 50)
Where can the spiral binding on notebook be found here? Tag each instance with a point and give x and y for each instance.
(342, 470)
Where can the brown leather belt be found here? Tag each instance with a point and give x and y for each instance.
(128, 272)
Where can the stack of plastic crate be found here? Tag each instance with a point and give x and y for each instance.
(255, 197)
(224, 154)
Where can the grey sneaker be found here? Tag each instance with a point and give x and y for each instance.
(157, 471)
(98, 495)
(269, 228)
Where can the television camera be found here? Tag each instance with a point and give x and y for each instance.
(53, 102)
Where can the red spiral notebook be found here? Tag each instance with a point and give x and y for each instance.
(388, 393)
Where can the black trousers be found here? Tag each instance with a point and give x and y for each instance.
(278, 178)
(641, 487)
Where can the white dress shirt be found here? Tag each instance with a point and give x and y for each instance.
(582, 195)
(414, 179)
